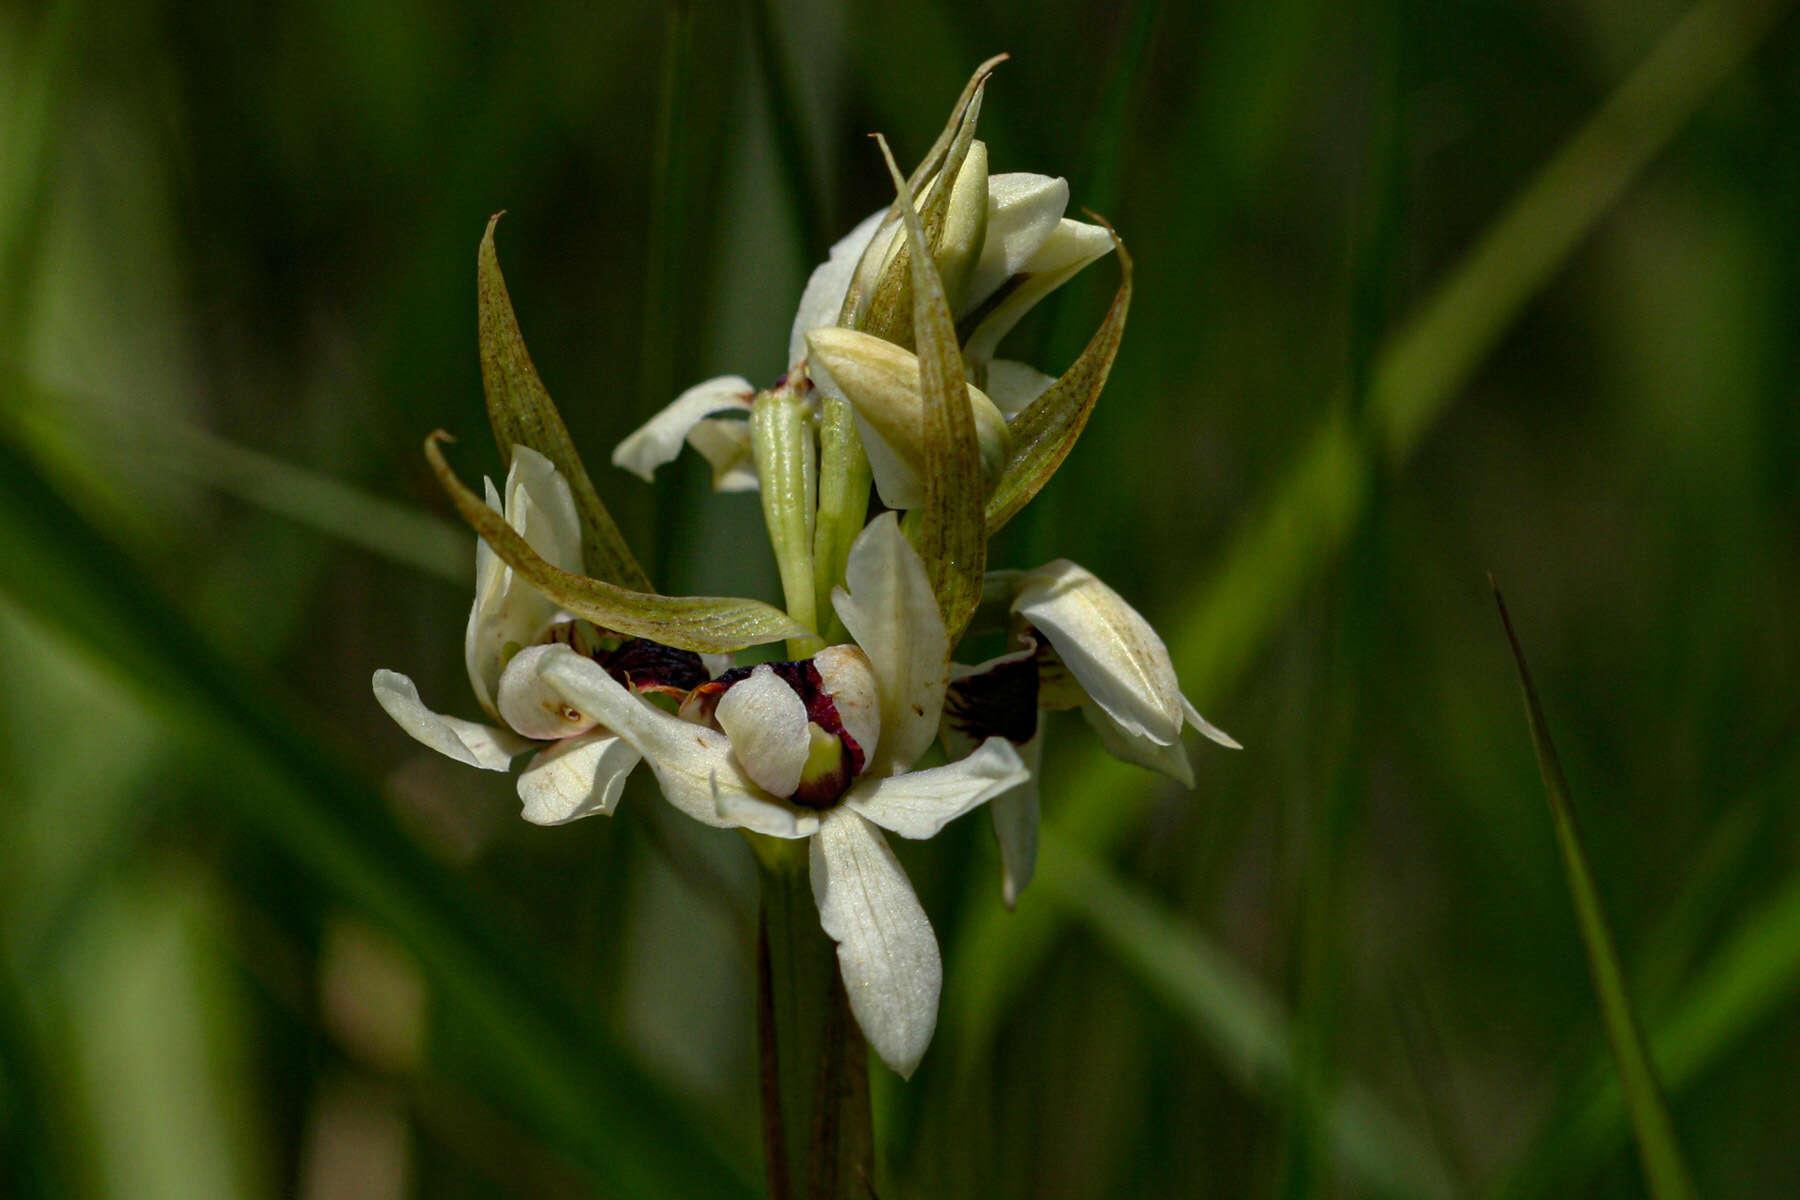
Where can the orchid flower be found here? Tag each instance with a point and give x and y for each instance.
(1078, 644)
(1015, 247)
(512, 630)
(823, 749)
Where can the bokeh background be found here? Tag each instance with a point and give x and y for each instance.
(1423, 292)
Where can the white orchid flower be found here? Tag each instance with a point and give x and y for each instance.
(1080, 646)
(1027, 249)
(822, 749)
(512, 631)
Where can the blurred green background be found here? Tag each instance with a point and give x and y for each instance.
(1424, 291)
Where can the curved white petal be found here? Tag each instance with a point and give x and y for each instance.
(847, 676)
(1113, 653)
(726, 446)
(919, 803)
(881, 382)
(1015, 813)
(469, 742)
(741, 810)
(766, 722)
(891, 612)
(507, 609)
(576, 778)
(823, 298)
(1023, 212)
(1211, 732)
(886, 950)
(1134, 748)
(531, 706)
(693, 765)
(1013, 385)
(659, 439)
(1073, 246)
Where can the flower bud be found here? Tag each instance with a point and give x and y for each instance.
(881, 381)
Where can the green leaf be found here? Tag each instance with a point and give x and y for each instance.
(952, 532)
(1046, 431)
(708, 624)
(1664, 1170)
(522, 414)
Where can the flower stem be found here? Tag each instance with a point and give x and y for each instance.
(818, 1136)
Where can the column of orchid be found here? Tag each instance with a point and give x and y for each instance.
(893, 385)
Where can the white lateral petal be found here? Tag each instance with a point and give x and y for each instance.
(887, 953)
(1113, 653)
(919, 803)
(541, 507)
(1074, 245)
(767, 816)
(469, 742)
(1211, 732)
(725, 444)
(1023, 211)
(659, 439)
(1122, 744)
(823, 298)
(846, 675)
(576, 778)
(1015, 813)
(693, 764)
(891, 612)
(766, 722)
(1013, 385)
(531, 706)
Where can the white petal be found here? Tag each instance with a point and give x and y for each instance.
(469, 742)
(694, 765)
(1015, 813)
(919, 803)
(1023, 211)
(531, 706)
(507, 609)
(767, 816)
(891, 612)
(886, 950)
(1013, 385)
(727, 449)
(576, 778)
(1134, 748)
(823, 298)
(659, 439)
(541, 507)
(766, 722)
(1111, 650)
(1211, 732)
(846, 675)
(1074, 245)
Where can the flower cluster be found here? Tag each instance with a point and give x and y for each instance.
(893, 385)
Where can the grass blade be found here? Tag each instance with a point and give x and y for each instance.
(1664, 1170)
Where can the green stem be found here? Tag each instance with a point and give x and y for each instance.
(818, 1134)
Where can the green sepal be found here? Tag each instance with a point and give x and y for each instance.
(706, 624)
(952, 532)
(1045, 432)
(522, 414)
(887, 309)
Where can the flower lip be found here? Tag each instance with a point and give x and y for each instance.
(803, 677)
(639, 663)
(999, 698)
